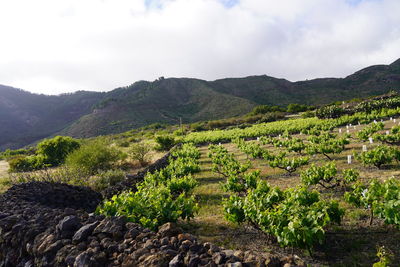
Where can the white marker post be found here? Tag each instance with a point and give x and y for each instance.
(347, 131)
(394, 120)
(348, 159)
(387, 132)
(391, 118)
(371, 141)
(364, 148)
(258, 138)
(347, 126)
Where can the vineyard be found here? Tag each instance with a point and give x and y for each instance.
(323, 190)
(326, 189)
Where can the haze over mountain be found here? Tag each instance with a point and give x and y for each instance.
(27, 117)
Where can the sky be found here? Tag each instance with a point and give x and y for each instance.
(60, 46)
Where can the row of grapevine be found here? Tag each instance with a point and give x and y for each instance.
(164, 196)
(293, 126)
(280, 160)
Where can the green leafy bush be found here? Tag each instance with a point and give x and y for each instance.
(26, 163)
(327, 176)
(296, 216)
(163, 196)
(55, 150)
(94, 156)
(377, 156)
(165, 143)
(105, 179)
(381, 198)
(151, 207)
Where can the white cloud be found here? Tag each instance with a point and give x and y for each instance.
(52, 46)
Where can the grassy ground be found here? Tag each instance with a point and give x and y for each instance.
(3, 176)
(354, 243)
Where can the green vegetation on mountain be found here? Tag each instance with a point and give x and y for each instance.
(26, 117)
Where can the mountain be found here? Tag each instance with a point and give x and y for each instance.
(27, 117)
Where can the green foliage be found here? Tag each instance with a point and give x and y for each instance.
(367, 132)
(163, 196)
(140, 152)
(325, 144)
(385, 257)
(393, 138)
(8, 154)
(381, 198)
(150, 208)
(262, 109)
(237, 178)
(296, 216)
(252, 149)
(327, 176)
(295, 108)
(105, 179)
(330, 112)
(377, 156)
(94, 156)
(290, 165)
(26, 163)
(55, 150)
(165, 143)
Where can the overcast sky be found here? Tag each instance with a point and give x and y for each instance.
(56, 46)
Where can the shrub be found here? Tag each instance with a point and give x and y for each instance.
(140, 152)
(377, 157)
(165, 143)
(94, 157)
(55, 150)
(25, 163)
(105, 179)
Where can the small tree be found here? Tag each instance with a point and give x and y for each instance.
(140, 152)
(165, 143)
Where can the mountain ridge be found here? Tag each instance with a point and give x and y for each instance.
(27, 117)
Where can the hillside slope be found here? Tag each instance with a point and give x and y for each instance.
(26, 117)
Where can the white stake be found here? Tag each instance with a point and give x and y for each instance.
(347, 126)
(394, 120)
(347, 131)
(387, 133)
(340, 130)
(391, 118)
(348, 159)
(258, 138)
(364, 148)
(371, 141)
(375, 121)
